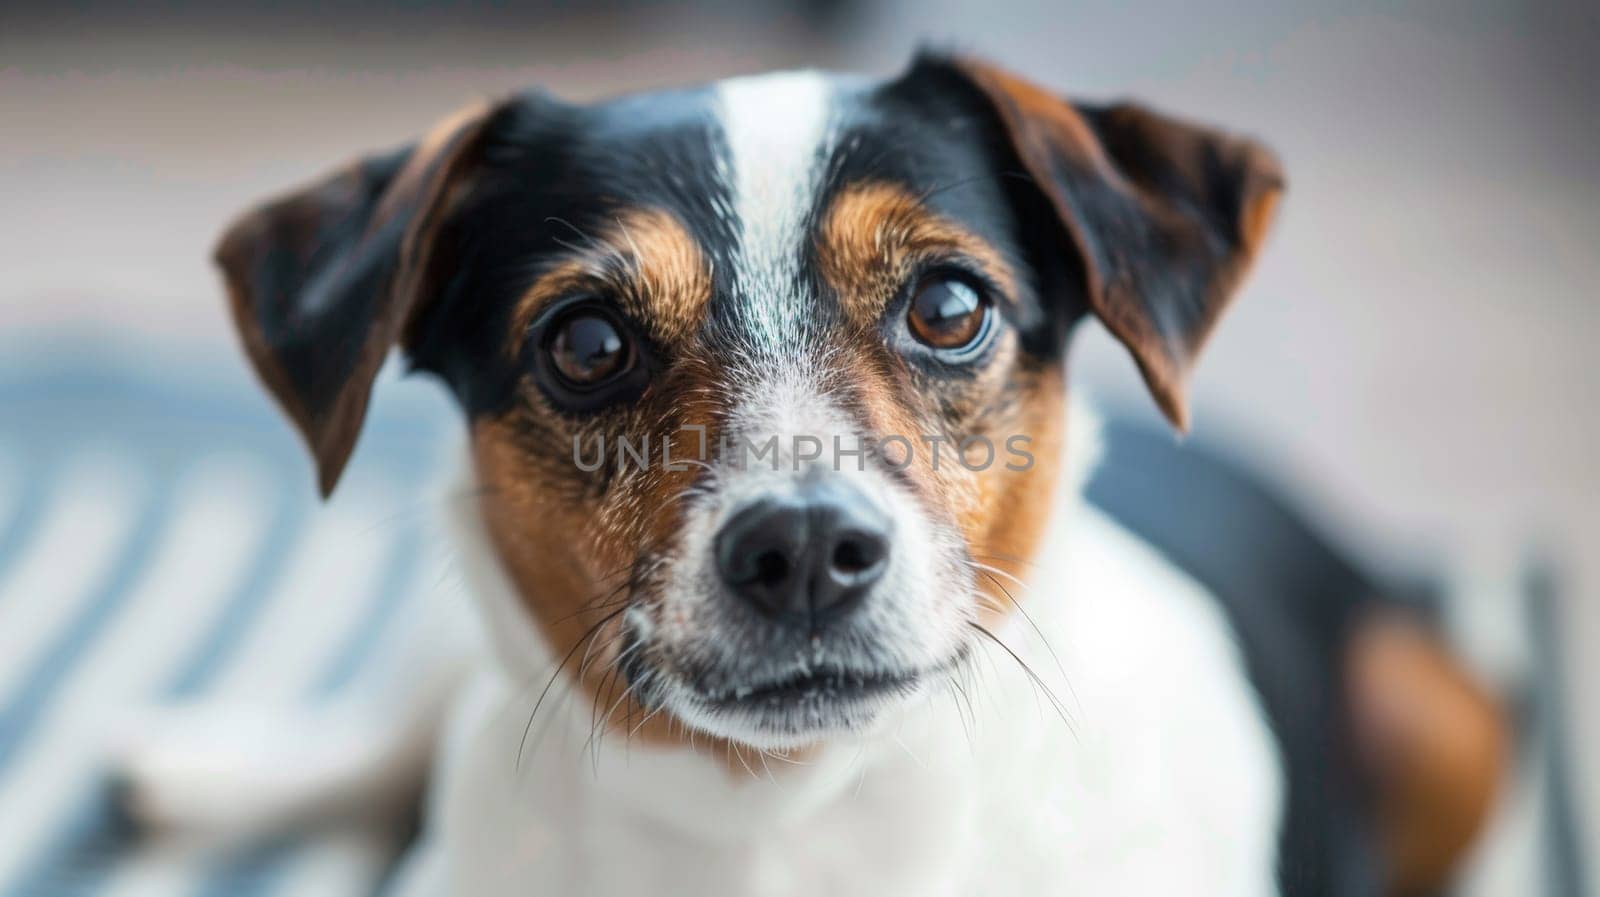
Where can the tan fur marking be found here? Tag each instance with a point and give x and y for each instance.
(1435, 743)
(646, 260)
(874, 236)
(1004, 527)
(1001, 513)
(566, 562)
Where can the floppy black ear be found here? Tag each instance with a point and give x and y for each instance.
(1166, 216)
(324, 280)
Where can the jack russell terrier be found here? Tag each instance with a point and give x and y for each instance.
(780, 581)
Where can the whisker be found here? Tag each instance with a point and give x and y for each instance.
(1043, 639)
(605, 599)
(582, 640)
(1010, 559)
(738, 754)
(960, 696)
(951, 185)
(643, 720)
(1039, 683)
(999, 572)
(583, 665)
(783, 757)
(552, 219)
(597, 733)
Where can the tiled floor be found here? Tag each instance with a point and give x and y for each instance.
(1415, 352)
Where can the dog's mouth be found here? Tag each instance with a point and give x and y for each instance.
(810, 688)
(797, 706)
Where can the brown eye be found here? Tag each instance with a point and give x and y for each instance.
(586, 349)
(947, 313)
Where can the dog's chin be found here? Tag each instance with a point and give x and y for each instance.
(803, 707)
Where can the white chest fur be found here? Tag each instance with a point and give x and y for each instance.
(1162, 780)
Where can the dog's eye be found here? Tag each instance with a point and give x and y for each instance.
(587, 349)
(586, 358)
(948, 314)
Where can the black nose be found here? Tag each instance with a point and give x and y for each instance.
(805, 557)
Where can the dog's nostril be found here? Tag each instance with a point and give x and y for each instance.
(857, 553)
(771, 568)
(849, 557)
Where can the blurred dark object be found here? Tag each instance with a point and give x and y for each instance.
(1311, 618)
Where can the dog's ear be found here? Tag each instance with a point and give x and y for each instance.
(1165, 216)
(323, 281)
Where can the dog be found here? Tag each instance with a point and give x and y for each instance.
(780, 578)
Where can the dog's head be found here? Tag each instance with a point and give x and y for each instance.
(760, 376)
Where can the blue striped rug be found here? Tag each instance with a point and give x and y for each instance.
(160, 539)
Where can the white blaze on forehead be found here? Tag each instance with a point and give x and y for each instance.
(778, 130)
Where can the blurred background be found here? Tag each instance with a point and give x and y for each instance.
(1413, 356)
